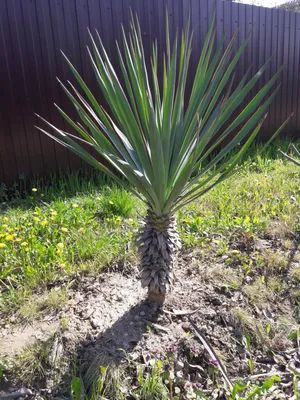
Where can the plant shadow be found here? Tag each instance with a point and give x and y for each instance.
(113, 346)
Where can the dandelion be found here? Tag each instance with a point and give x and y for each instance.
(80, 230)
(27, 249)
(23, 244)
(44, 222)
(30, 224)
(5, 219)
(270, 195)
(34, 189)
(36, 219)
(9, 238)
(111, 202)
(60, 246)
(42, 195)
(18, 240)
(2, 245)
(53, 213)
(1, 236)
(75, 205)
(130, 221)
(4, 226)
(63, 229)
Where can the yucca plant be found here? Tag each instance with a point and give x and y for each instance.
(166, 152)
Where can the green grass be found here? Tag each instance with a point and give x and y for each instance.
(72, 225)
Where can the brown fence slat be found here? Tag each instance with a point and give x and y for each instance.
(32, 33)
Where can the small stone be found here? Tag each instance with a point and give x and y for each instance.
(186, 326)
(95, 323)
(142, 313)
(119, 298)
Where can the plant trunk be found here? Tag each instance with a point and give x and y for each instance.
(158, 243)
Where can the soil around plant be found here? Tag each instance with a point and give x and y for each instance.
(109, 321)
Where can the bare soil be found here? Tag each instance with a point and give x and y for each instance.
(108, 320)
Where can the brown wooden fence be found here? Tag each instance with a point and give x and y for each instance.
(32, 32)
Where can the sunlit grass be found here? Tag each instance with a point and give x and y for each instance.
(74, 225)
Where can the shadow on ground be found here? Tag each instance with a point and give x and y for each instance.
(112, 347)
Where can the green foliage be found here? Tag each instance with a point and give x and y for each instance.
(115, 201)
(166, 151)
(151, 385)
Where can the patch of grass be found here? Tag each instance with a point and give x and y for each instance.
(115, 201)
(258, 293)
(37, 307)
(55, 240)
(251, 325)
(31, 364)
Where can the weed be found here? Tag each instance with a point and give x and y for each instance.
(257, 293)
(30, 365)
(251, 325)
(36, 307)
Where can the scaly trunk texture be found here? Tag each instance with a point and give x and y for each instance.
(158, 243)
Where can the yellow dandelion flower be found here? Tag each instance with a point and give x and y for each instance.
(2, 245)
(42, 195)
(26, 249)
(9, 238)
(75, 205)
(34, 189)
(63, 229)
(36, 219)
(111, 202)
(4, 226)
(130, 221)
(18, 239)
(60, 246)
(30, 224)
(10, 230)
(44, 222)
(80, 230)
(270, 194)
(1, 236)
(5, 219)
(54, 213)
(23, 244)
(14, 235)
